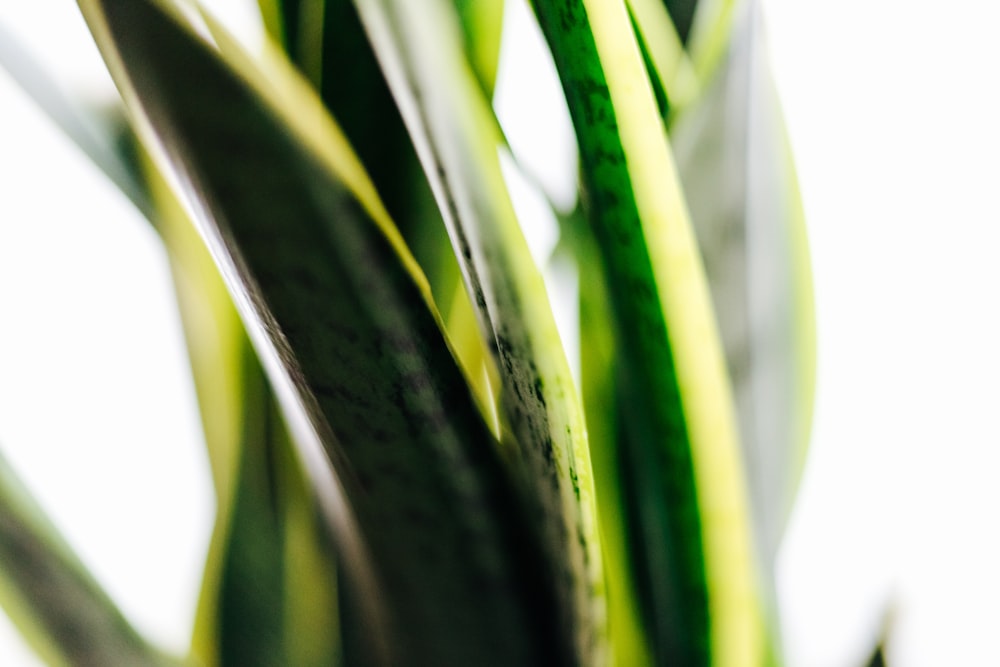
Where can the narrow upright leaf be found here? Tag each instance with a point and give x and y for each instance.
(682, 14)
(93, 135)
(482, 23)
(431, 529)
(733, 140)
(629, 643)
(353, 88)
(681, 462)
(458, 140)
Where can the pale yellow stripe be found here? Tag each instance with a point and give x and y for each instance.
(737, 638)
(671, 61)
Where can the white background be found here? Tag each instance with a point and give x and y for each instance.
(892, 107)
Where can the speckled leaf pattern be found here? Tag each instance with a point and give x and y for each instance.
(457, 138)
(343, 320)
(679, 451)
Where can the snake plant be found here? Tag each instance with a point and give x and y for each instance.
(406, 470)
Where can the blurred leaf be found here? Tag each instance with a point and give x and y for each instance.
(217, 346)
(708, 40)
(354, 90)
(682, 14)
(878, 658)
(427, 522)
(688, 529)
(482, 27)
(733, 141)
(356, 93)
(92, 133)
(458, 140)
(51, 598)
(629, 644)
(664, 54)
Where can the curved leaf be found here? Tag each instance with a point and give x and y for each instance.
(246, 571)
(354, 90)
(482, 26)
(430, 528)
(458, 140)
(93, 135)
(258, 489)
(689, 531)
(52, 599)
(629, 643)
(733, 141)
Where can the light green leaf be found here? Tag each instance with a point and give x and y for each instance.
(733, 140)
(482, 26)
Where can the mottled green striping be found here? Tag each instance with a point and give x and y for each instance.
(436, 510)
(538, 401)
(44, 582)
(664, 522)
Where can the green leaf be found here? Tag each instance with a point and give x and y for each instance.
(354, 90)
(51, 598)
(708, 40)
(249, 580)
(733, 140)
(356, 93)
(458, 140)
(482, 27)
(682, 14)
(92, 133)
(428, 523)
(629, 643)
(671, 69)
(688, 525)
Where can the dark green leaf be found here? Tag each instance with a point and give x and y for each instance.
(250, 569)
(430, 527)
(679, 457)
(682, 14)
(458, 140)
(629, 643)
(356, 93)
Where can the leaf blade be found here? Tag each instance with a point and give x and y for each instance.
(50, 596)
(682, 443)
(379, 372)
(458, 139)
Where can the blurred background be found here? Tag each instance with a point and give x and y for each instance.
(893, 112)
